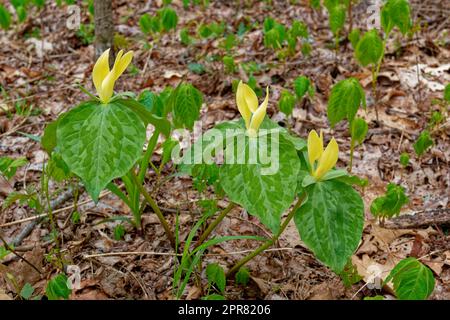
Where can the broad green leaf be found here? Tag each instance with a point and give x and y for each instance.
(168, 146)
(299, 29)
(301, 86)
(359, 130)
(422, 143)
(330, 222)
(287, 102)
(447, 93)
(57, 169)
(21, 13)
(315, 4)
(243, 183)
(27, 291)
(350, 275)
(17, 196)
(404, 159)
(100, 142)
(354, 180)
(147, 117)
(204, 31)
(57, 288)
(412, 280)
(229, 64)
(369, 49)
(216, 276)
(9, 166)
(242, 276)
(345, 99)
(152, 103)
(185, 38)
(396, 13)
(185, 103)
(251, 185)
(337, 18)
(354, 37)
(5, 17)
(391, 203)
(149, 24)
(269, 24)
(169, 18)
(272, 39)
(48, 140)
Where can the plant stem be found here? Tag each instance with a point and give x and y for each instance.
(214, 224)
(148, 153)
(375, 72)
(269, 242)
(155, 208)
(350, 17)
(374, 90)
(352, 148)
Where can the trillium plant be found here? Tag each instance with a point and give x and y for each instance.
(102, 139)
(327, 211)
(261, 167)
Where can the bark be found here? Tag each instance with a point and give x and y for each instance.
(104, 26)
(421, 219)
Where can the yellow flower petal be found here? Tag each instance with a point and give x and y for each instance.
(241, 103)
(328, 159)
(123, 64)
(259, 114)
(106, 88)
(101, 70)
(315, 147)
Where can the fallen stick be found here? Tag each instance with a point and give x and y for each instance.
(25, 232)
(153, 253)
(36, 217)
(420, 219)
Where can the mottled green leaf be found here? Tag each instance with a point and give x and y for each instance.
(57, 288)
(286, 102)
(330, 222)
(345, 99)
(255, 190)
(100, 142)
(369, 49)
(216, 276)
(412, 280)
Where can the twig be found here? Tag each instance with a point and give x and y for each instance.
(12, 223)
(8, 247)
(29, 227)
(171, 254)
(420, 219)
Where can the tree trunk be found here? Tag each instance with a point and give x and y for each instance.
(104, 26)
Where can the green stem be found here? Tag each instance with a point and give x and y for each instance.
(352, 148)
(155, 208)
(51, 217)
(269, 242)
(375, 73)
(148, 153)
(374, 90)
(214, 224)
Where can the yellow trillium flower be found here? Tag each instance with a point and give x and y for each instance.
(326, 160)
(103, 78)
(247, 103)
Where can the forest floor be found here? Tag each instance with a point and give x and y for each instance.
(412, 77)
